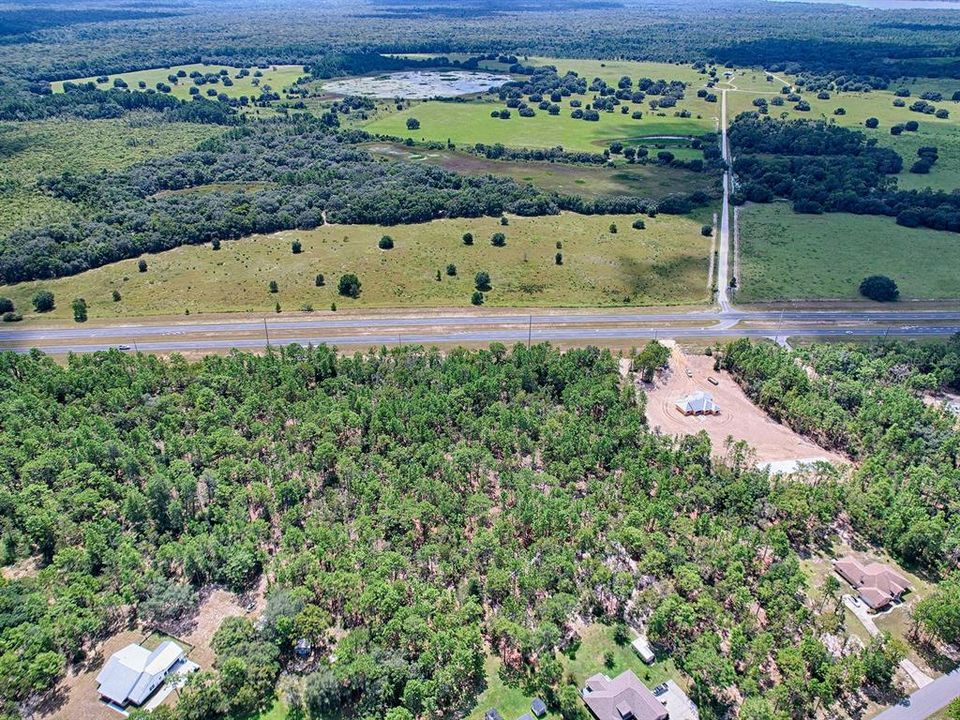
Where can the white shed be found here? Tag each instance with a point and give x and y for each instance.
(641, 646)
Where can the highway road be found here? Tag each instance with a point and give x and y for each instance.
(569, 328)
(723, 253)
(927, 700)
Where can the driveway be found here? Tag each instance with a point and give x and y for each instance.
(927, 700)
(919, 677)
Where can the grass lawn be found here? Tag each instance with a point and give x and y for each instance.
(642, 180)
(596, 641)
(34, 148)
(788, 256)
(277, 711)
(276, 76)
(665, 264)
(580, 662)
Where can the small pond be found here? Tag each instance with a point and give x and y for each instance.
(418, 84)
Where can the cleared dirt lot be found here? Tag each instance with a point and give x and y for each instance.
(738, 418)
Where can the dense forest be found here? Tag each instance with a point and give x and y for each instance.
(828, 168)
(421, 509)
(865, 401)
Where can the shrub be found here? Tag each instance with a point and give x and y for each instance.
(274, 288)
(452, 270)
(482, 280)
(558, 259)
(498, 239)
(706, 230)
(6, 305)
(11, 317)
(319, 280)
(142, 265)
(879, 288)
(413, 124)
(476, 298)
(296, 248)
(613, 228)
(116, 296)
(216, 243)
(639, 224)
(79, 306)
(468, 238)
(871, 122)
(43, 301)
(386, 243)
(349, 285)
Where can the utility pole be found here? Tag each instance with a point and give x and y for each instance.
(135, 348)
(266, 332)
(779, 325)
(529, 331)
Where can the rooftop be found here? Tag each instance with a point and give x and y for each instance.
(878, 584)
(622, 698)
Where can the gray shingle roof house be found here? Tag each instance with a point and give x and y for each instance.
(878, 584)
(132, 674)
(699, 403)
(622, 698)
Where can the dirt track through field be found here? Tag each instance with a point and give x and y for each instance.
(739, 418)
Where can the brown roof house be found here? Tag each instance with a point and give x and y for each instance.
(877, 584)
(623, 698)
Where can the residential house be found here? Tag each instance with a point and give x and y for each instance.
(622, 698)
(877, 584)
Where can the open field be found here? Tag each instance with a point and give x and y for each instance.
(31, 149)
(642, 180)
(664, 264)
(275, 76)
(739, 418)
(787, 256)
(470, 122)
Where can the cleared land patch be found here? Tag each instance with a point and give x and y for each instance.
(665, 264)
(417, 84)
(739, 418)
(589, 181)
(788, 256)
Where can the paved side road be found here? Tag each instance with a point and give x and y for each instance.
(927, 700)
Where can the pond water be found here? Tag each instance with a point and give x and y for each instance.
(418, 84)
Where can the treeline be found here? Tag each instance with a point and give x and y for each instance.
(826, 168)
(314, 171)
(905, 492)
(413, 509)
(90, 103)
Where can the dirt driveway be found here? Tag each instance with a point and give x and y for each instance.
(739, 418)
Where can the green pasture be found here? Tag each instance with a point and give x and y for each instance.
(276, 77)
(665, 264)
(789, 256)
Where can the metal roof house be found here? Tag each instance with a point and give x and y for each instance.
(538, 707)
(699, 403)
(622, 698)
(877, 584)
(133, 673)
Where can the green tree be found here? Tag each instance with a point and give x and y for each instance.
(385, 243)
(452, 270)
(79, 307)
(6, 305)
(476, 298)
(482, 281)
(273, 287)
(43, 301)
(116, 296)
(349, 286)
(413, 124)
(879, 288)
(319, 280)
(468, 238)
(498, 239)
(142, 265)
(296, 247)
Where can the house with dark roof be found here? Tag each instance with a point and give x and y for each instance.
(699, 403)
(538, 707)
(133, 673)
(877, 584)
(622, 698)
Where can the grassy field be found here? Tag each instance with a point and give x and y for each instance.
(589, 181)
(275, 76)
(666, 264)
(470, 122)
(31, 149)
(786, 256)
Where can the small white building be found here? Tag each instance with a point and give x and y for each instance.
(133, 673)
(699, 403)
(641, 646)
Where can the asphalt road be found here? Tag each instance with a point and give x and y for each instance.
(723, 253)
(164, 339)
(925, 701)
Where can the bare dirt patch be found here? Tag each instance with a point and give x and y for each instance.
(215, 607)
(739, 418)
